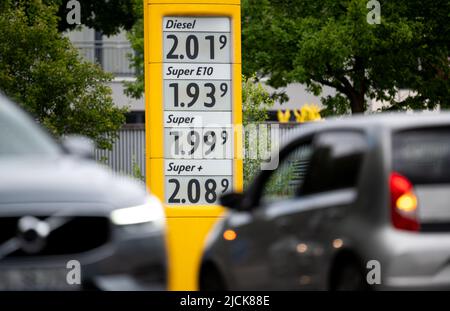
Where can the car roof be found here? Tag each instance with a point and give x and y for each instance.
(375, 123)
(4, 99)
(392, 120)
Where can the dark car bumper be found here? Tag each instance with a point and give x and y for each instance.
(134, 261)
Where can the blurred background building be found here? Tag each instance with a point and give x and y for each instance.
(112, 54)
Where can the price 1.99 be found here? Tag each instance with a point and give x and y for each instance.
(198, 47)
(196, 190)
(199, 143)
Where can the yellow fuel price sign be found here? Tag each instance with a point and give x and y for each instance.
(193, 117)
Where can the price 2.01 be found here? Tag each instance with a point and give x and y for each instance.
(194, 47)
(197, 190)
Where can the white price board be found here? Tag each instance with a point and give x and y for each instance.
(203, 71)
(197, 167)
(196, 190)
(201, 46)
(196, 24)
(197, 119)
(197, 94)
(198, 143)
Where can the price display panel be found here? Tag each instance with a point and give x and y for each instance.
(197, 103)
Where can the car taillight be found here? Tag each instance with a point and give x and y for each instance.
(403, 203)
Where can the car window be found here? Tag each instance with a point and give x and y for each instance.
(285, 182)
(423, 155)
(19, 136)
(335, 163)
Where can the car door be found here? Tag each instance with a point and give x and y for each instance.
(313, 219)
(265, 239)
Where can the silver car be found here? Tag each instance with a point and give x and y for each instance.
(67, 223)
(357, 203)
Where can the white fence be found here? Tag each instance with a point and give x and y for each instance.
(127, 151)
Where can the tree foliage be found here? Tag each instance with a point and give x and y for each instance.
(41, 70)
(255, 103)
(106, 16)
(135, 89)
(330, 43)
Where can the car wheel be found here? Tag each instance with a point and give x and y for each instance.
(350, 277)
(211, 279)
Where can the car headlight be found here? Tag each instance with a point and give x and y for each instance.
(150, 211)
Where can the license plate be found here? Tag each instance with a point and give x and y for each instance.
(31, 279)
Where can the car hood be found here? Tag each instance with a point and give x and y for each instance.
(65, 181)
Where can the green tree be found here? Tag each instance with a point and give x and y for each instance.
(136, 170)
(135, 89)
(106, 16)
(41, 70)
(255, 103)
(330, 43)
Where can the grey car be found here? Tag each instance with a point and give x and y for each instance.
(357, 203)
(67, 223)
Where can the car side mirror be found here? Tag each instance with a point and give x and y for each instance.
(232, 200)
(80, 146)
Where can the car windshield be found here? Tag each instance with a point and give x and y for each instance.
(423, 155)
(19, 136)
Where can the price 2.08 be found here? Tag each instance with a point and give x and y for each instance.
(197, 190)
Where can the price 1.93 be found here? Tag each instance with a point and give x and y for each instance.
(188, 95)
